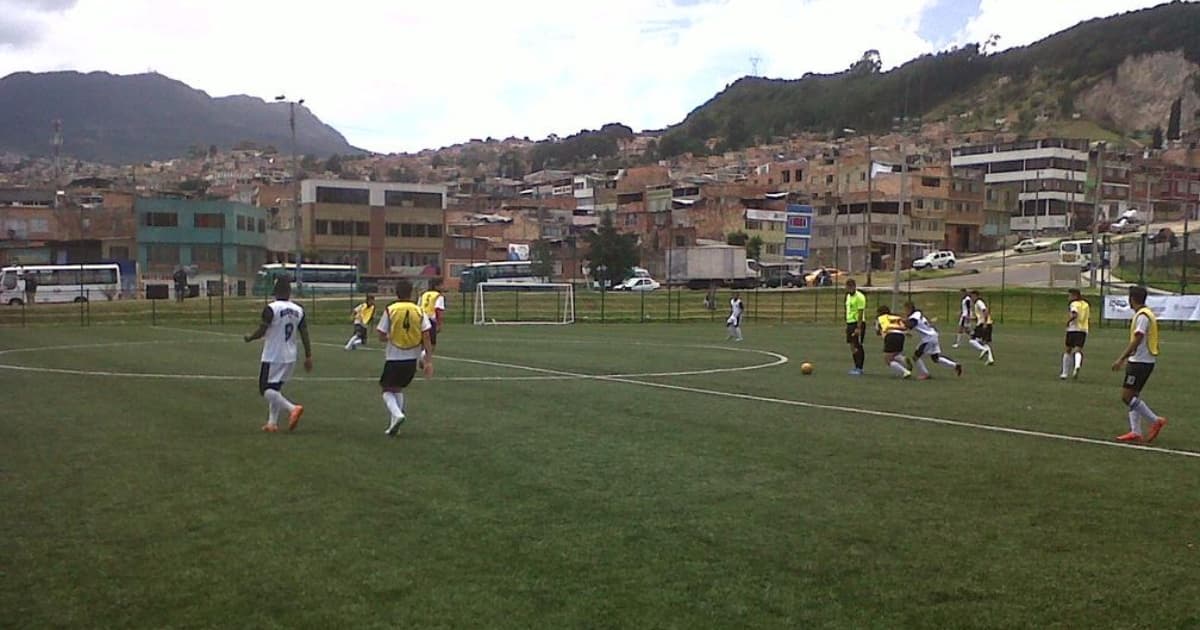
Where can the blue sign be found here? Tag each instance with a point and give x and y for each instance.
(798, 230)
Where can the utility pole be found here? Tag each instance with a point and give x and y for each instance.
(897, 259)
(295, 187)
(1099, 201)
(870, 190)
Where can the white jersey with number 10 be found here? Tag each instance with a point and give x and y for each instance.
(279, 343)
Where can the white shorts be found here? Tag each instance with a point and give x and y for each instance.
(274, 375)
(931, 347)
(964, 321)
(734, 321)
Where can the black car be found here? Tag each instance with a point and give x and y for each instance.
(782, 278)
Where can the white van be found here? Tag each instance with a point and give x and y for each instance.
(60, 283)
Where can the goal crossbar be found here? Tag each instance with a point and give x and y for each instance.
(523, 304)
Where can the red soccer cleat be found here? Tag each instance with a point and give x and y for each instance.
(924, 377)
(1155, 428)
(270, 428)
(1129, 437)
(294, 417)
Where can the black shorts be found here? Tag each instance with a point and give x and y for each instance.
(983, 332)
(852, 335)
(1076, 339)
(397, 374)
(433, 336)
(1136, 375)
(893, 343)
(360, 331)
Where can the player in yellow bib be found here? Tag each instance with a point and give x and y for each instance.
(363, 314)
(404, 330)
(891, 328)
(433, 304)
(1078, 313)
(1139, 358)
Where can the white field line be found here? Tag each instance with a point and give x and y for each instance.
(777, 359)
(808, 405)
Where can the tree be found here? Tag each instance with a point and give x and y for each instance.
(754, 247)
(437, 161)
(1173, 122)
(403, 174)
(869, 63)
(1156, 138)
(608, 248)
(334, 164)
(541, 259)
(736, 238)
(511, 165)
(309, 162)
(212, 151)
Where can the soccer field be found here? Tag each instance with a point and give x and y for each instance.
(591, 476)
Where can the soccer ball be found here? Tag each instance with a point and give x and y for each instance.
(806, 368)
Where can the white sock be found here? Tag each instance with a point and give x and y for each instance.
(1078, 360)
(394, 406)
(898, 367)
(989, 353)
(737, 332)
(350, 343)
(1138, 405)
(272, 411)
(957, 338)
(278, 401)
(1066, 364)
(975, 343)
(946, 361)
(1135, 422)
(921, 369)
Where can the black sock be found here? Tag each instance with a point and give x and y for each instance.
(860, 357)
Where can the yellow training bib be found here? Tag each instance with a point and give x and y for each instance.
(429, 302)
(404, 319)
(1151, 330)
(364, 313)
(890, 324)
(1083, 312)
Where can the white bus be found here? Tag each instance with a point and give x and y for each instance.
(60, 283)
(508, 271)
(317, 277)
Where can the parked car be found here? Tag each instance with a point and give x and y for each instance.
(941, 259)
(1122, 226)
(775, 278)
(1031, 245)
(826, 277)
(638, 284)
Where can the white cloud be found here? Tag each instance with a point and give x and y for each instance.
(1022, 22)
(408, 75)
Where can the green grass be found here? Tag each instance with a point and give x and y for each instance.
(930, 274)
(138, 502)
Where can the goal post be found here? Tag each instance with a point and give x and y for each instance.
(510, 303)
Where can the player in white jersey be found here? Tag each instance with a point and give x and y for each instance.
(734, 322)
(930, 343)
(964, 316)
(282, 321)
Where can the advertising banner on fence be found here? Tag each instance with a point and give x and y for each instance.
(1169, 308)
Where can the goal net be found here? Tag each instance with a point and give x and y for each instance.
(530, 303)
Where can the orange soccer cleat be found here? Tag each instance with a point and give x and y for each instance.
(294, 417)
(1129, 437)
(270, 428)
(1155, 428)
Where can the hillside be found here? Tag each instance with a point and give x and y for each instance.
(121, 119)
(1053, 78)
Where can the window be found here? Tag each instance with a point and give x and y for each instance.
(920, 204)
(362, 228)
(162, 254)
(322, 226)
(931, 182)
(680, 241)
(631, 220)
(461, 243)
(434, 230)
(787, 177)
(799, 175)
(160, 219)
(341, 228)
(937, 204)
(862, 177)
(412, 199)
(828, 179)
(206, 255)
(392, 230)
(753, 224)
(354, 196)
(262, 226)
(208, 220)
(412, 259)
(241, 223)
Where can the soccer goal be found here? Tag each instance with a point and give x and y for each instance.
(528, 303)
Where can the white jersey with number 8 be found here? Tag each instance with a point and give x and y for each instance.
(284, 319)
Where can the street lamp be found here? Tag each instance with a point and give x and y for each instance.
(870, 186)
(295, 182)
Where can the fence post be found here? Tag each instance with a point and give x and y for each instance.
(602, 294)
(782, 305)
(947, 307)
(816, 305)
(314, 303)
(517, 306)
(153, 312)
(755, 303)
(1031, 308)
(210, 309)
(22, 314)
(81, 310)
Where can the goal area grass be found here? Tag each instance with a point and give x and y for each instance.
(646, 475)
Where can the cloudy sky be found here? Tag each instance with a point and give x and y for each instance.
(396, 75)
